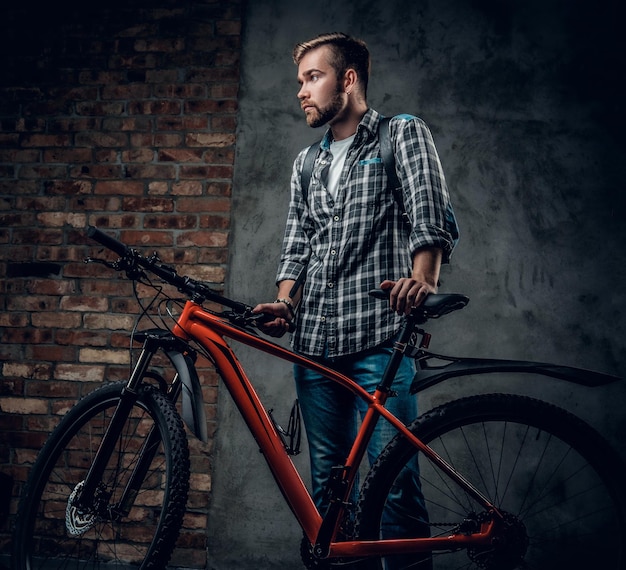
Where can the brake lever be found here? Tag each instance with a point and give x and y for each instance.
(122, 264)
(108, 264)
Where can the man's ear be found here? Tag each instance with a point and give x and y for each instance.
(350, 80)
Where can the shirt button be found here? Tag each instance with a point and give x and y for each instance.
(323, 319)
(336, 218)
(333, 252)
(330, 284)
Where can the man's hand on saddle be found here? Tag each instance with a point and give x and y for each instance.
(407, 293)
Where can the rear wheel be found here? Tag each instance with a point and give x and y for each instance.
(54, 532)
(557, 481)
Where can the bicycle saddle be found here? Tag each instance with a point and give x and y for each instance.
(439, 304)
(434, 306)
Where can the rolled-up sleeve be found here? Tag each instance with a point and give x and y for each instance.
(425, 192)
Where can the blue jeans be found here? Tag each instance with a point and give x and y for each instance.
(331, 415)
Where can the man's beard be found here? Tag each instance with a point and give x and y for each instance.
(328, 113)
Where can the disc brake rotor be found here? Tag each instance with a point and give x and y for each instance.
(77, 521)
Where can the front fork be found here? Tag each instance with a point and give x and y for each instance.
(92, 484)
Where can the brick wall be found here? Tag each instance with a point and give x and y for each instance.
(121, 116)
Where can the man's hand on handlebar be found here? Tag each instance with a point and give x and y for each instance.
(278, 326)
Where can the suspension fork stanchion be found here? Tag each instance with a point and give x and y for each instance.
(107, 445)
(146, 455)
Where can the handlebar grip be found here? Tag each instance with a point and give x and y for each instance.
(107, 241)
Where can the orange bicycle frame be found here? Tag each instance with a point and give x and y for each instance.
(209, 331)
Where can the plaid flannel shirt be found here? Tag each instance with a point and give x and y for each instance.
(350, 245)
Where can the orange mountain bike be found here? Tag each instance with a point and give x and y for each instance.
(510, 482)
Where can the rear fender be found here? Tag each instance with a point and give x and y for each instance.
(428, 374)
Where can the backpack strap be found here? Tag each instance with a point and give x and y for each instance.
(389, 162)
(386, 153)
(307, 169)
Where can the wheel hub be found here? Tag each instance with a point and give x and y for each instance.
(508, 548)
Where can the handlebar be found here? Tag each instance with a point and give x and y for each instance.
(131, 259)
(107, 241)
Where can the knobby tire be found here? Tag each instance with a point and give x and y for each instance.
(50, 534)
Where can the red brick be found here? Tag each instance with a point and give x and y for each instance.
(44, 140)
(51, 253)
(81, 338)
(168, 139)
(161, 107)
(210, 139)
(99, 108)
(123, 92)
(137, 204)
(215, 222)
(69, 187)
(51, 390)
(158, 188)
(203, 239)
(96, 203)
(15, 219)
(57, 320)
(139, 155)
(97, 171)
(42, 171)
(171, 222)
(186, 188)
(180, 155)
(51, 286)
(119, 187)
(32, 303)
(183, 123)
(151, 171)
(82, 303)
(60, 219)
(13, 319)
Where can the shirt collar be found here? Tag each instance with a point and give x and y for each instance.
(366, 129)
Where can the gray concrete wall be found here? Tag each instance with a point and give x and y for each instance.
(523, 104)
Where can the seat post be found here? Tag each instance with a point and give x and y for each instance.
(399, 348)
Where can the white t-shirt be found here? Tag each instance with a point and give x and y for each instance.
(339, 150)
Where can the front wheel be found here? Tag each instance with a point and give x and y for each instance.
(126, 525)
(555, 479)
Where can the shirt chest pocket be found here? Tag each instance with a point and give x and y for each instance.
(366, 184)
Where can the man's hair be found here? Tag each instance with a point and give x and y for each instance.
(346, 53)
